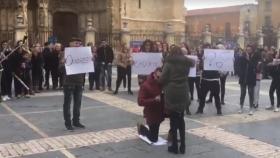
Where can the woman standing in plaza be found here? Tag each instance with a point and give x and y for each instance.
(123, 68)
(176, 94)
(274, 71)
(37, 66)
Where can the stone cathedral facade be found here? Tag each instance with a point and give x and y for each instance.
(92, 20)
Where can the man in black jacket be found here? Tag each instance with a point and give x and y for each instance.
(73, 88)
(247, 76)
(47, 52)
(105, 57)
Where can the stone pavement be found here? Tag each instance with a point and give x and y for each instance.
(34, 128)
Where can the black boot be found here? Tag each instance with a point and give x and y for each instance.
(130, 92)
(69, 126)
(188, 111)
(78, 124)
(182, 135)
(219, 112)
(199, 111)
(174, 147)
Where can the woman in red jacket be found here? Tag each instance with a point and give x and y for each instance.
(150, 97)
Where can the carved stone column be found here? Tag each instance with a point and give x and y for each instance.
(170, 35)
(125, 34)
(207, 35)
(183, 37)
(278, 39)
(241, 37)
(90, 32)
(21, 20)
(241, 40)
(260, 38)
(43, 20)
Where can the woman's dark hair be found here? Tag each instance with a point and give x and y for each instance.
(158, 69)
(18, 42)
(251, 46)
(144, 43)
(3, 43)
(47, 44)
(206, 45)
(175, 50)
(187, 47)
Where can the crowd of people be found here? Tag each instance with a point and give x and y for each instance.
(31, 69)
(166, 92)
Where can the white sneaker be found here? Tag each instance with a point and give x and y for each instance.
(276, 109)
(251, 112)
(8, 98)
(269, 107)
(240, 111)
(4, 98)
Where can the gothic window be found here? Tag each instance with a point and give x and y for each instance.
(228, 30)
(247, 25)
(267, 21)
(268, 5)
(208, 26)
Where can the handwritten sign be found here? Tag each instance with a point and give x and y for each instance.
(78, 60)
(276, 61)
(192, 72)
(146, 63)
(218, 59)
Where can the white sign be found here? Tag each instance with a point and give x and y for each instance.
(218, 59)
(276, 61)
(146, 63)
(192, 72)
(78, 60)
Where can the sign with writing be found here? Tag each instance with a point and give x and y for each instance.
(78, 60)
(276, 61)
(146, 63)
(192, 72)
(218, 59)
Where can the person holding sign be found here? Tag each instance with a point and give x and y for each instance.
(147, 47)
(210, 82)
(223, 78)
(274, 69)
(73, 87)
(176, 94)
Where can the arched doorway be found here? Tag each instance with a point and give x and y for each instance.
(65, 26)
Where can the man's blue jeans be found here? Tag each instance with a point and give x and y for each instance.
(106, 74)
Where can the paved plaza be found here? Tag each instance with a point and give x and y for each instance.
(34, 128)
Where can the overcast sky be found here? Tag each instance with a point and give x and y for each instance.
(199, 4)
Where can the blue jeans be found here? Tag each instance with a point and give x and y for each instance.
(106, 73)
(69, 91)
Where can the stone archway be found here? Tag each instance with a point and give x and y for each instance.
(65, 26)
